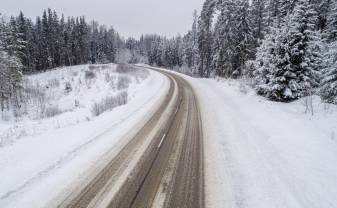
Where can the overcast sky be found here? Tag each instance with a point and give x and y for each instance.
(129, 17)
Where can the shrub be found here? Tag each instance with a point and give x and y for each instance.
(124, 68)
(89, 75)
(108, 77)
(53, 83)
(109, 103)
(68, 88)
(123, 82)
(106, 66)
(93, 67)
(75, 73)
(51, 112)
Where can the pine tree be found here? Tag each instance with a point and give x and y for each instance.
(244, 39)
(45, 47)
(328, 89)
(14, 43)
(323, 9)
(278, 10)
(331, 29)
(223, 44)
(190, 46)
(258, 16)
(205, 38)
(233, 40)
(10, 69)
(291, 67)
(62, 42)
(22, 31)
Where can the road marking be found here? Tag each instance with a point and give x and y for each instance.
(161, 142)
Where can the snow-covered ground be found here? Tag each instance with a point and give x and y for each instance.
(65, 97)
(263, 154)
(258, 153)
(266, 154)
(54, 152)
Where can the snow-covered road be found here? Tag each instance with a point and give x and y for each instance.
(264, 154)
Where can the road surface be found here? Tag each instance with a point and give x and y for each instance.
(162, 166)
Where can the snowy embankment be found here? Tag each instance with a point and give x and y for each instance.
(265, 154)
(59, 147)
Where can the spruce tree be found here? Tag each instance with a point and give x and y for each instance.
(258, 16)
(10, 67)
(291, 69)
(323, 8)
(244, 39)
(223, 40)
(233, 40)
(328, 90)
(331, 29)
(205, 38)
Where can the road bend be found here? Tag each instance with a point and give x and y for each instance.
(170, 171)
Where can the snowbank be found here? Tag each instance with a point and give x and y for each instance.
(266, 154)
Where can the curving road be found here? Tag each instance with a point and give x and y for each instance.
(169, 169)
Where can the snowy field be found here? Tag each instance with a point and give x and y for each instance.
(266, 154)
(64, 129)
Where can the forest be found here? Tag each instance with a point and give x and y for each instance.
(287, 49)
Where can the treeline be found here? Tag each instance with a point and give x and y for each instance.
(49, 42)
(287, 47)
(179, 53)
(52, 41)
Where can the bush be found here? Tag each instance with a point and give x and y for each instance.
(75, 73)
(106, 66)
(108, 77)
(109, 103)
(53, 83)
(89, 75)
(68, 88)
(123, 82)
(124, 68)
(51, 112)
(93, 67)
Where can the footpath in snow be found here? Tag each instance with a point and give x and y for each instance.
(56, 152)
(265, 154)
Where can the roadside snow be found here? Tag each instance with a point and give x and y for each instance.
(65, 97)
(265, 154)
(260, 153)
(36, 167)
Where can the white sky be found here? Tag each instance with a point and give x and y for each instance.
(128, 17)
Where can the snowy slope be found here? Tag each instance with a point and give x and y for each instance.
(265, 154)
(38, 166)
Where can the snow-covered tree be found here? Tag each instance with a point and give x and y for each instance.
(258, 17)
(233, 39)
(331, 29)
(10, 74)
(291, 67)
(328, 90)
(205, 37)
(190, 46)
(323, 8)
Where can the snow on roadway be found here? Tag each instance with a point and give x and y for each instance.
(37, 168)
(265, 154)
